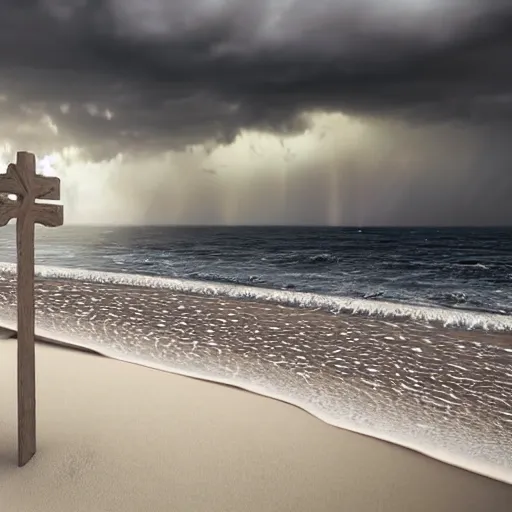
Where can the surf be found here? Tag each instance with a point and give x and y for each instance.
(206, 331)
(463, 319)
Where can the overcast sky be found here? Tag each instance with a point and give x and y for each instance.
(342, 112)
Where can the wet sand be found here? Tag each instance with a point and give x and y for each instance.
(445, 392)
(116, 436)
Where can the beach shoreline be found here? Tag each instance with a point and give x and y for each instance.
(454, 318)
(439, 455)
(422, 387)
(116, 436)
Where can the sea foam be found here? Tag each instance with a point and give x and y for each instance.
(446, 317)
(444, 393)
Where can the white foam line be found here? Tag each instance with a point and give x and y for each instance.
(481, 468)
(447, 317)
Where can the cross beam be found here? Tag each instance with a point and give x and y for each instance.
(22, 181)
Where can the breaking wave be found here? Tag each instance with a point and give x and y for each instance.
(429, 314)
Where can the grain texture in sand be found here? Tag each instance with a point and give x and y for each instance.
(117, 436)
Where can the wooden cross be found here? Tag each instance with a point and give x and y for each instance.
(22, 181)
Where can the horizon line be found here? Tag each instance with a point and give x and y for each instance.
(292, 226)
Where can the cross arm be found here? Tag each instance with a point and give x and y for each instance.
(8, 211)
(49, 215)
(42, 187)
(47, 188)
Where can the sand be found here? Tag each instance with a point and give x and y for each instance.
(118, 436)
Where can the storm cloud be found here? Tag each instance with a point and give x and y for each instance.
(170, 86)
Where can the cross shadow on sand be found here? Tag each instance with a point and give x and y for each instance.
(8, 456)
(6, 334)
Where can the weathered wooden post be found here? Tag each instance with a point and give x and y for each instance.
(22, 181)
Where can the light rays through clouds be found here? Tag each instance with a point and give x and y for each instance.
(340, 171)
(273, 112)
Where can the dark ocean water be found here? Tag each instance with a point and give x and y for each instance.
(452, 268)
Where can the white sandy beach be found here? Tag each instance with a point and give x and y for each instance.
(117, 436)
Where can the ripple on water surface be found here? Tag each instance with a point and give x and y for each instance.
(441, 391)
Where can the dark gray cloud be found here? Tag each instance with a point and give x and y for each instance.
(175, 72)
(430, 80)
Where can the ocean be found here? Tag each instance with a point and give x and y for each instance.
(401, 334)
(467, 269)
